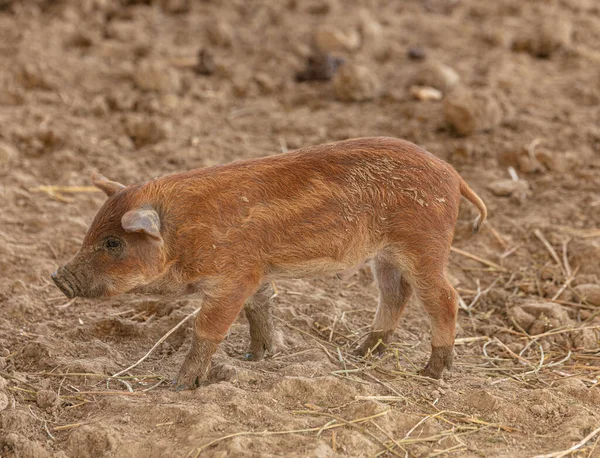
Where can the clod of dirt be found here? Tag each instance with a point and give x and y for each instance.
(316, 7)
(206, 63)
(589, 293)
(437, 75)
(329, 39)
(35, 77)
(220, 33)
(4, 401)
(145, 131)
(519, 189)
(3, 383)
(21, 446)
(371, 33)
(175, 6)
(468, 112)
(80, 39)
(356, 83)
(544, 38)
(426, 93)
(481, 401)
(153, 77)
(3, 365)
(89, 441)
(416, 53)
(46, 399)
(319, 67)
(8, 153)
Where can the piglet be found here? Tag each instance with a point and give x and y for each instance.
(223, 233)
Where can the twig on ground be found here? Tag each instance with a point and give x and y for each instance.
(161, 340)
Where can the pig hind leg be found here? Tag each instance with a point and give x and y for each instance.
(394, 293)
(258, 312)
(440, 301)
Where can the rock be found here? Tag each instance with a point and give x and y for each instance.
(509, 187)
(521, 317)
(468, 112)
(329, 39)
(416, 53)
(589, 292)
(46, 398)
(3, 383)
(437, 75)
(425, 93)
(356, 83)
(545, 37)
(206, 63)
(220, 33)
(4, 401)
(152, 77)
(319, 67)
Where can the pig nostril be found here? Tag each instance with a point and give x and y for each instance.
(65, 287)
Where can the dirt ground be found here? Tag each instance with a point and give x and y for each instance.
(115, 87)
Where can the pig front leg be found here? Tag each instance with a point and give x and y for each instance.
(219, 311)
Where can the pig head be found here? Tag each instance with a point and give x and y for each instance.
(122, 250)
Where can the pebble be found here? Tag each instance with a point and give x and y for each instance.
(329, 39)
(509, 188)
(356, 83)
(425, 93)
(416, 53)
(437, 75)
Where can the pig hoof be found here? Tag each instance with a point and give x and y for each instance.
(430, 372)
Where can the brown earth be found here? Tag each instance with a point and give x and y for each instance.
(109, 86)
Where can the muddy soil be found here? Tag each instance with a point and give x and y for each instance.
(507, 91)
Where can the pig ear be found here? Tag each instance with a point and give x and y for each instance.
(103, 183)
(142, 220)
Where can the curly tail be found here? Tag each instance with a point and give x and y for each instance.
(470, 195)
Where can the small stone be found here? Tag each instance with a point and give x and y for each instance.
(425, 93)
(319, 67)
(356, 83)
(437, 75)
(4, 401)
(416, 53)
(468, 112)
(509, 187)
(589, 292)
(329, 39)
(220, 33)
(4, 352)
(46, 398)
(206, 63)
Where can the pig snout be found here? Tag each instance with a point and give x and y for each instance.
(65, 282)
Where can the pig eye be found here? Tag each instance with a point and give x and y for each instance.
(113, 244)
